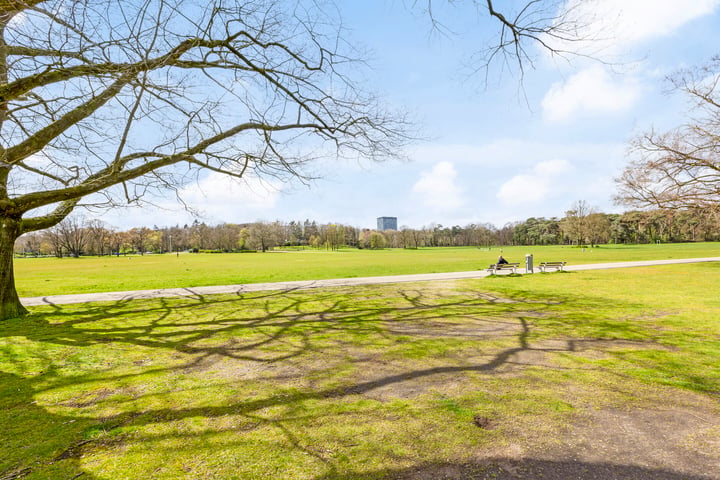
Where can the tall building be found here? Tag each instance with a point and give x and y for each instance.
(387, 223)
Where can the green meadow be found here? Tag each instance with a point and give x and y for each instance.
(419, 380)
(52, 276)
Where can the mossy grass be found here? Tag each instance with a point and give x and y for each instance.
(347, 383)
(51, 276)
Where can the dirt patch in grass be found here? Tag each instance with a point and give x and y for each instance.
(92, 398)
(678, 438)
(405, 386)
(675, 442)
(463, 327)
(533, 469)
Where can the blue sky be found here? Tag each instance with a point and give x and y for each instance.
(497, 153)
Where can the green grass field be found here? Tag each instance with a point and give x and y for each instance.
(51, 276)
(384, 381)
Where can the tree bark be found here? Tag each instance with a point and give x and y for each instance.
(10, 306)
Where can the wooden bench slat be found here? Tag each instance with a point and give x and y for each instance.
(556, 265)
(503, 266)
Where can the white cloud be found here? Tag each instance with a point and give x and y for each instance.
(591, 91)
(438, 189)
(224, 198)
(214, 199)
(612, 26)
(534, 187)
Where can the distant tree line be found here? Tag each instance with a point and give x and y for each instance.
(76, 236)
(581, 225)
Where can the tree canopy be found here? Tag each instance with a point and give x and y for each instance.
(108, 102)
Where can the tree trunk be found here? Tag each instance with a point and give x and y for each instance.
(10, 306)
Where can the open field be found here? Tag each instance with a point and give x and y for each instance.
(615, 373)
(51, 276)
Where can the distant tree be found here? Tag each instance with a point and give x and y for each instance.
(264, 236)
(54, 241)
(407, 237)
(315, 241)
(575, 223)
(98, 237)
(294, 233)
(598, 228)
(618, 233)
(31, 243)
(417, 237)
(332, 236)
(372, 240)
(310, 229)
(393, 238)
(352, 236)
(139, 238)
(226, 237)
(117, 242)
(484, 234)
(70, 236)
(504, 235)
(243, 236)
(689, 224)
(533, 231)
(375, 240)
(154, 241)
(199, 235)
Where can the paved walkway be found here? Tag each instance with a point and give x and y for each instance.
(305, 284)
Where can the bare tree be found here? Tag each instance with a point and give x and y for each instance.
(98, 236)
(556, 27)
(575, 224)
(226, 237)
(106, 103)
(680, 168)
(332, 236)
(69, 236)
(118, 242)
(30, 244)
(138, 238)
(264, 236)
(53, 239)
(598, 228)
(407, 237)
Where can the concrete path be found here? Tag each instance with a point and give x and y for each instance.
(306, 284)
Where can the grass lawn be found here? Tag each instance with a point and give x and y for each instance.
(51, 276)
(387, 381)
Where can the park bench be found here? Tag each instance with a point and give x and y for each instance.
(499, 267)
(556, 265)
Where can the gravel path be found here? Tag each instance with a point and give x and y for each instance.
(306, 284)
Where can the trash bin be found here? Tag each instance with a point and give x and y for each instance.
(529, 263)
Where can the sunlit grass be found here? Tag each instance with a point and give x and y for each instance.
(51, 276)
(346, 383)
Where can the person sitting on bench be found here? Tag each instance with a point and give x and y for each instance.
(501, 261)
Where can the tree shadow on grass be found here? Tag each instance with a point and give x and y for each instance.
(270, 328)
(31, 434)
(517, 469)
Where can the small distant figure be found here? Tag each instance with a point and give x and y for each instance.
(501, 261)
